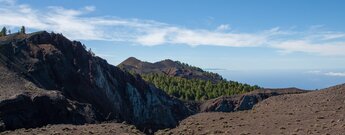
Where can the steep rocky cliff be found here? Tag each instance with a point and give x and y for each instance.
(50, 62)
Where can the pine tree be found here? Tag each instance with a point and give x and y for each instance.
(196, 89)
(22, 30)
(3, 31)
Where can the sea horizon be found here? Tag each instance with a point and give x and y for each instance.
(285, 78)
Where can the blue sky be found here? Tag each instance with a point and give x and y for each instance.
(241, 35)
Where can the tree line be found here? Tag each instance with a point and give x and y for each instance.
(4, 31)
(210, 75)
(197, 89)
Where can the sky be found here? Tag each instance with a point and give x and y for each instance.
(232, 36)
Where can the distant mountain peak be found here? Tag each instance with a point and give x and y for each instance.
(167, 60)
(131, 60)
(168, 67)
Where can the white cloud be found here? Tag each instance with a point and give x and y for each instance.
(314, 72)
(223, 27)
(8, 2)
(326, 49)
(155, 37)
(176, 35)
(326, 43)
(90, 8)
(203, 37)
(337, 74)
(330, 36)
(331, 73)
(77, 25)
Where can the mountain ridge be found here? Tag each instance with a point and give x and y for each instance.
(168, 67)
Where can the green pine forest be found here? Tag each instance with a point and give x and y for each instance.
(196, 89)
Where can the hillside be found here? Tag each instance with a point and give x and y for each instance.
(317, 112)
(48, 79)
(184, 81)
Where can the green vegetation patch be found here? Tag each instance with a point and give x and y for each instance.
(196, 89)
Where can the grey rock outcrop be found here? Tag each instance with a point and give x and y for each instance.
(243, 101)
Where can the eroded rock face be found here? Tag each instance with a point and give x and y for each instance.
(243, 101)
(52, 62)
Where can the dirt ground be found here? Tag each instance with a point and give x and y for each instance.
(89, 129)
(318, 112)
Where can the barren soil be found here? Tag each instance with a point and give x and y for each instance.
(89, 129)
(318, 112)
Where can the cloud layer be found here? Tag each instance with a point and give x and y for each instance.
(76, 24)
(338, 74)
(332, 73)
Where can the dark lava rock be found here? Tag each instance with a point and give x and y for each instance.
(31, 110)
(52, 62)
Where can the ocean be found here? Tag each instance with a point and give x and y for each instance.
(303, 79)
